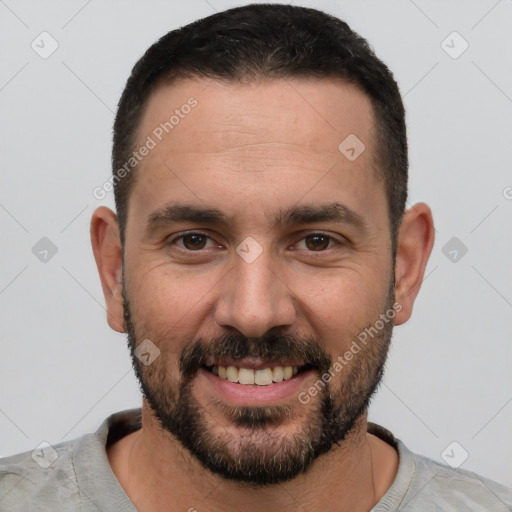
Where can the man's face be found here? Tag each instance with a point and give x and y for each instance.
(254, 243)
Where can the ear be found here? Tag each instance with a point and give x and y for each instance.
(106, 245)
(415, 241)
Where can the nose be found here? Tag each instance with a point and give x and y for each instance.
(253, 298)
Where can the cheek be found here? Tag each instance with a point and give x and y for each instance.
(340, 306)
(167, 305)
(155, 288)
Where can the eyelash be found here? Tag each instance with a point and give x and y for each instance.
(188, 233)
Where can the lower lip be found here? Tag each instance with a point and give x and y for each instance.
(254, 395)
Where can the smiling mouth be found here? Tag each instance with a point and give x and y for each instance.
(256, 377)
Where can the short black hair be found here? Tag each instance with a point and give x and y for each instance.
(267, 41)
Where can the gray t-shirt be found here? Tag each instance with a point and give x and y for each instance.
(76, 476)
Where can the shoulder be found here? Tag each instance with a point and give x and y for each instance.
(40, 479)
(437, 486)
(71, 476)
(423, 484)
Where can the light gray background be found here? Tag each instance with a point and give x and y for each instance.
(62, 370)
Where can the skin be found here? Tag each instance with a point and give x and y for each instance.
(249, 150)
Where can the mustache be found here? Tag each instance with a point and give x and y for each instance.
(272, 347)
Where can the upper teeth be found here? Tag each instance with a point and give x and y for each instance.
(262, 377)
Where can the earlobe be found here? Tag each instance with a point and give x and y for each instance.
(415, 241)
(106, 245)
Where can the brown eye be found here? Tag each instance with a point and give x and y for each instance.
(194, 241)
(317, 242)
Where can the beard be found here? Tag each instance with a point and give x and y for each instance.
(260, 453)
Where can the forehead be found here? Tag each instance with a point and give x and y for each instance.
(313, 114)
(214, 140)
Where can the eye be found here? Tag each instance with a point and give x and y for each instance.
(318, 242)
(193, 241)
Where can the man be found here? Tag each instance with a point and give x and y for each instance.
(258, 261)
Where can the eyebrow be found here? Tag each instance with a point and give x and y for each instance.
(332, 212)
(305, 214)
(173, 212)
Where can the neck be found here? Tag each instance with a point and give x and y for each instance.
(157, 473)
